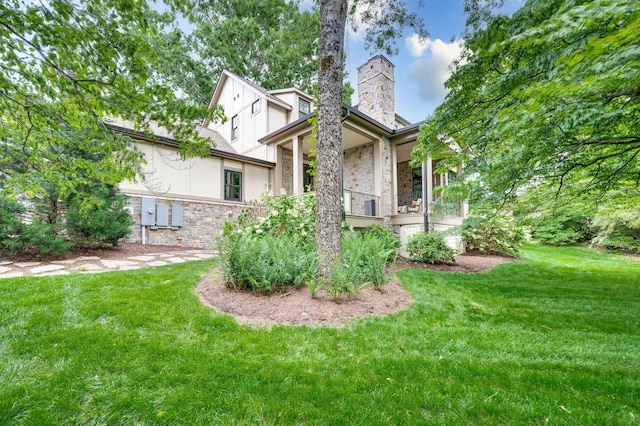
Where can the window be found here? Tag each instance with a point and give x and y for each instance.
(234, 127)
(255, 106)
(304, 107)
(307, 178)
(232, 185)
(416, 182)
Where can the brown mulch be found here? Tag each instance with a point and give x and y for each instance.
(296, 307)
(122, 251)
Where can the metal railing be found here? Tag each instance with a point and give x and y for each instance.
(361, 204)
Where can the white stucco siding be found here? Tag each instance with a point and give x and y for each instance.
(166, 173)
(277, 118)
(206, 176)
(256, 182)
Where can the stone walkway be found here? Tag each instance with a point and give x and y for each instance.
(94, 264)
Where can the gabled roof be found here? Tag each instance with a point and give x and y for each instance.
(349, 110)
(229, 75)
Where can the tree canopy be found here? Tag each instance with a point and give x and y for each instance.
(550, 94)
(65, 66)
(272, 43)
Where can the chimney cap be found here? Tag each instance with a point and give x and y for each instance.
(381, 56)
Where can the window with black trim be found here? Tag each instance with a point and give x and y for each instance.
(232, 185)
(255, 106)
(304, 107)
(234, 127)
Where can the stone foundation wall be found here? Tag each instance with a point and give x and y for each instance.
(202, 222)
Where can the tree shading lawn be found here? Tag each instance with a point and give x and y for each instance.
(552, 339)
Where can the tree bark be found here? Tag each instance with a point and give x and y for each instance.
(329, 135)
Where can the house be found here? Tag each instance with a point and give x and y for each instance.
(265, 146)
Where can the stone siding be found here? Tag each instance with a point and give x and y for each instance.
(405, 189)
(359, 172)
(202, 222)
(287, 171)
(376, 90)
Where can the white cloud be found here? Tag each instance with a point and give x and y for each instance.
(432, 68)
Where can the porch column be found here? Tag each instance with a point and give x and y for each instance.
(386, 181)
(278, 184)
(298, 168)
(427, 192)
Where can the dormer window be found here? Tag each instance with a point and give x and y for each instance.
(304, 107)
(255, 106)
(234, 127)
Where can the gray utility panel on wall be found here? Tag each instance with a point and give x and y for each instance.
(148, 211)
(153, 214)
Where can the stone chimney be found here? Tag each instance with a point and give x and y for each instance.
(376, 87)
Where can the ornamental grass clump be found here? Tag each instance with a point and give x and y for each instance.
(271, 245)
(266, 263)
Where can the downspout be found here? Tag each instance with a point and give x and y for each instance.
(344, 213)
(425, 198)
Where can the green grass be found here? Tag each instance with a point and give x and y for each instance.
(552, 339)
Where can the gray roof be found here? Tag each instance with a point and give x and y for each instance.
(160, 134)
(219, 142)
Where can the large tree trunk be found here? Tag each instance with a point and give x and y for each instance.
(329, 137)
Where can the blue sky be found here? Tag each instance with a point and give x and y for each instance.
(421, 67)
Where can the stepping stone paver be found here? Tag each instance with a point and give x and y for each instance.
(66, 262)
(205, 255)
(65, 272)
(27, 264)
(4, 269)
(12, 274)
(157, 263)
(89, 267)
(176, 260)
(5, 262)
(46, 268)
(89, 258)
(112, 264)
(142, 258)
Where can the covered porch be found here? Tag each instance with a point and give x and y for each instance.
(416, 199)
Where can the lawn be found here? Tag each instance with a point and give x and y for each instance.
(552, 339)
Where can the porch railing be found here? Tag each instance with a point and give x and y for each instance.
(361, 204)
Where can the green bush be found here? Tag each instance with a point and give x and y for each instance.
(267, 262)
(390, 243)
(498, 234)
(364, 259)
(17, 237)
(429, 247)
(100, 223)
(562, 227)
(618, 231)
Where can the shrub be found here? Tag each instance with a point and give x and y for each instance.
(364, 259)
(285, 215)
(564, 226)
(498, 233)
(35, 238)
(265, 263)
(390, 243)
(618, 231)
(103, 222)
(429, 247)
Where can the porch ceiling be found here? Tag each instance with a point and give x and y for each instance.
(350, 139)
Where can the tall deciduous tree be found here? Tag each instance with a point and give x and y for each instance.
(384, 21)
(272, 43)
(66, 65)
(551, 94)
